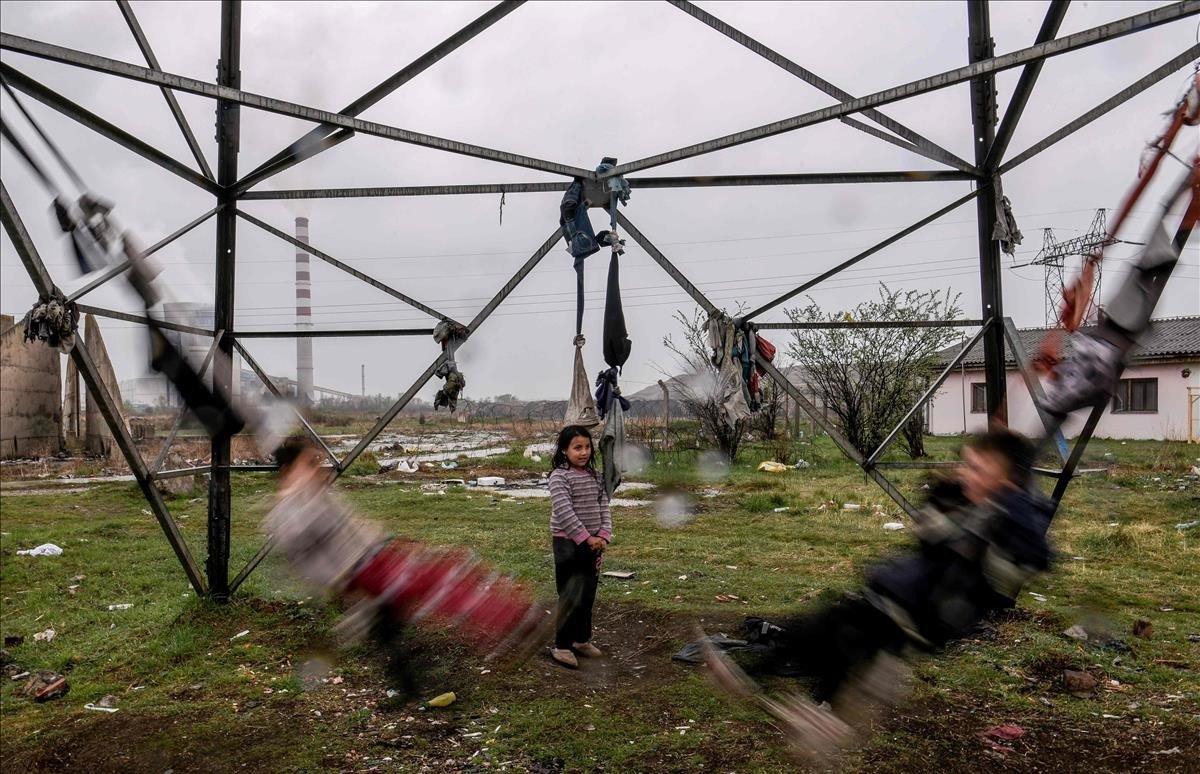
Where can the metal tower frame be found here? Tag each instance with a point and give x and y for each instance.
(1053, 257)
(991, 133)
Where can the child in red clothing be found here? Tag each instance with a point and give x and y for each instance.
(404, 582)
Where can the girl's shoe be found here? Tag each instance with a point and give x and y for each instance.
(587, 649)
(565, 657)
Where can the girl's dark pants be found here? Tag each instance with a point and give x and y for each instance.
(576, 577)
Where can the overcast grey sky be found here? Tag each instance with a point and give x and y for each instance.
(572, 82)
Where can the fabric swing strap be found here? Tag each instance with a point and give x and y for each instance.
(54, 149)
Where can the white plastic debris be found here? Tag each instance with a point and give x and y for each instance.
(893, 526)
(45, 636)
(851, 507)
(45, 549)
(490, 481)
(121, 606)
(784, 509)
(242, 633)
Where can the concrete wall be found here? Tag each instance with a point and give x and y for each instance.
(72, 409)
(30, 412)
(1168, 423)
(99, 439)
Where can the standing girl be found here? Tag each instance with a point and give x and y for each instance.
(581, 526)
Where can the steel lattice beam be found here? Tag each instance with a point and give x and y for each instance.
(47, 96)
(322, 138)
(172, 102)
(915, 142)
(1020, 98)
(109, 409)
(329, 259)
(333, 128)
(690, 181)
(282, 107)
(1104, 32)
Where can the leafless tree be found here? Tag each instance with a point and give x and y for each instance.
(698, 391)
(869, 377)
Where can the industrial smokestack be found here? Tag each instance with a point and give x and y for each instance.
(304, 358)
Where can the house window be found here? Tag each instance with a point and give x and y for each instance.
(978, 397)
(1136, 395)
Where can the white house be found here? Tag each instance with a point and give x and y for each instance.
(1158, 397)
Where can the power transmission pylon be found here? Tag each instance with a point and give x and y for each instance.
(1053, 256)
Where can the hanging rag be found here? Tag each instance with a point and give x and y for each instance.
(722, 338)
(581, 410)
(616, 336)
(612, 446)
(607, 392)
(765, 351)
(743, 353)
(1005, 229)
(450, 335)
(53, 320)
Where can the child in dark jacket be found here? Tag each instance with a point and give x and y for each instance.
(981, 537)
(581, 528)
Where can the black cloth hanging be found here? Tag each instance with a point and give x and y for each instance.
(616, 337)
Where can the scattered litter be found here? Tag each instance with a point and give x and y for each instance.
(1077, 632)
(1143, 628)
(239, 634)
(801, 465)
(1181, 526)
(682, 577)
(449, 465)
(770, 466)
(45, 636)
(392, 693)
(731, 567)
(1171, 662)
(726, 598)
(893, 526)
(46, 685)
(443, 700)
(851, 507)
(107, 704)
(1079, 683)
(45, 549)
(491, 481)
(618, 574)
(784, 509)
(121, 606)
(1172, 751)
(19, 675)
(1037, 596)
(1005, 732)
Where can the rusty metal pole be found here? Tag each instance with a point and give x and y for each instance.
(220, 494)
(983, 120)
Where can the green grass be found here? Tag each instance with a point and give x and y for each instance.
(192, 697)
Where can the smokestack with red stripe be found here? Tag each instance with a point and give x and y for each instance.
(304, 357)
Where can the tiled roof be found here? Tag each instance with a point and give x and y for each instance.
(1169, 338)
